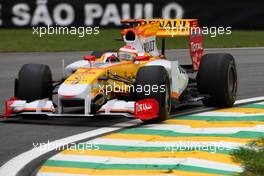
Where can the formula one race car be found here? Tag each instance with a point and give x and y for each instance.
(136, 80)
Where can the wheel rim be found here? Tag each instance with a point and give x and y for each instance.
(232, 83)
(167, 98)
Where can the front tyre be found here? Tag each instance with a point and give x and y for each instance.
(217, 77)
(34, 82)
(148, 78)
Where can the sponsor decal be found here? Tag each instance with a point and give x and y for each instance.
(196, 46)
(196, 49)
(146, 109)
(8, 108)
(149, 46)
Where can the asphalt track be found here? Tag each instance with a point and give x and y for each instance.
(18, 135)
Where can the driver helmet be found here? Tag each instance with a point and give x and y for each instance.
(127, 53)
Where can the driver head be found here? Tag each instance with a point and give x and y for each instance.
(127, 53)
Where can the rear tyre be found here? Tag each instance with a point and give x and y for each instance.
(217, 77)
(155, 76)
(34, 82)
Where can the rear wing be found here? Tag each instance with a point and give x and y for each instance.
(168, 27)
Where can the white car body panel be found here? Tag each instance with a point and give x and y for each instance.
(179, 78)
(73, 90)
(38, 106)
(118, 106)
(142, 45)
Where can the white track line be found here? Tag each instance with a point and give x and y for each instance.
(249, 100)
(13, 166)
(226, 114)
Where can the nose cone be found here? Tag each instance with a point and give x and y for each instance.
(73, 91)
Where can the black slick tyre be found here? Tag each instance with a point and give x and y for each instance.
(217, 77)
(150, 77)
(34, 82)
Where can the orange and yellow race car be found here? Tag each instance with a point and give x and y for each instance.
(135, 80)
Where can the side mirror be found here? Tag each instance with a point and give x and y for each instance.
(142, 58)
(89, 58)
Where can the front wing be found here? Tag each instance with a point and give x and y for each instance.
(143, 109)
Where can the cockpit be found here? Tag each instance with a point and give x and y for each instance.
(126, 56)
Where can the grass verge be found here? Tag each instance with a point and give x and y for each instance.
(251, 158)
